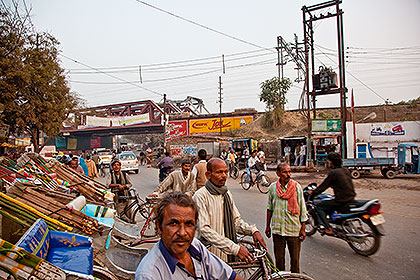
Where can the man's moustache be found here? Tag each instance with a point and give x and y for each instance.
(182, 239)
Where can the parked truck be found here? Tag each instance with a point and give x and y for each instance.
(408, 163)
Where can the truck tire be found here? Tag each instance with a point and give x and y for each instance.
(383, 171)
(355, 174)
(390, 174)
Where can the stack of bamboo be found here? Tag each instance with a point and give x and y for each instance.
(25, 199)
(89, 188)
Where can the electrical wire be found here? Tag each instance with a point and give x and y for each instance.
(203, 26)
(112, 76)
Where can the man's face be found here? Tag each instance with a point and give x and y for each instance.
(178, 229)
(284, 174)
(116, 167)
(74, 163)
(218, 174)
(186, 168)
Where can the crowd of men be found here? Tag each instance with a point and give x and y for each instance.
(198, 220)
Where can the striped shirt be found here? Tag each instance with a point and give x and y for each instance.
(211, 227)
(282, 221)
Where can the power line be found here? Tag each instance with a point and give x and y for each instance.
(115, 77)
(360, 81)
(205, 27)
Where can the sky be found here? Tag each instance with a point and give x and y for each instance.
(123, 51)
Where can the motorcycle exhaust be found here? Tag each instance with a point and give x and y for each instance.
(356, 237)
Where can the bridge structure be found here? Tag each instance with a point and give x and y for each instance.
(140, 117)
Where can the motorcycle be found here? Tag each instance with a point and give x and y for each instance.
(164, 172)
(359, 222)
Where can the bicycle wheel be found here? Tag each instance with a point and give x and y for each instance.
(290, 276)
(234, 172)
(246, 184)
(263, 183)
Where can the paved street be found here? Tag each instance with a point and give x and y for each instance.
(328, 258)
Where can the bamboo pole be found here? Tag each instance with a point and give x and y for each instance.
(36, 212)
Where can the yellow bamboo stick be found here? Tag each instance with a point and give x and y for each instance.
(36, 212)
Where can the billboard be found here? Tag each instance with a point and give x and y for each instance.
(92, 121)
(212, 125)
(176, 129)
(330, 126)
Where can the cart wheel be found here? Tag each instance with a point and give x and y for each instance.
(390, 174)
(355, 174)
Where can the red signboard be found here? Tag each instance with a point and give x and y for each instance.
(176, 129)
(95, 143)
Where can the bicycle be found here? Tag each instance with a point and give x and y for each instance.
(262, 267)
(233, 170)
(142, 213)
(260, 179)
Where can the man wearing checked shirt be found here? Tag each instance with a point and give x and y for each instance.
(286, 212)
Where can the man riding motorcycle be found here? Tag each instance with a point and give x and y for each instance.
(166, 166)
(340, 180)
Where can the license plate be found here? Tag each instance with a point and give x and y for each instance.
(377, 219)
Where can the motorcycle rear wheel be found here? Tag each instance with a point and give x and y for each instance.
(368, 245)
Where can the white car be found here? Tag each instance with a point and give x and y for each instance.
(129, 162)
(105, 156)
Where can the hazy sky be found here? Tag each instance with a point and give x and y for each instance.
(180, 59)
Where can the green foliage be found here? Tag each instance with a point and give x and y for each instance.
(273, 94)
(412, 103)
(326, 116)
(34, 93)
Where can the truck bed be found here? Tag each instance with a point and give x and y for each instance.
(365, 162)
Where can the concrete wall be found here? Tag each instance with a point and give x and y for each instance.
(383, 137)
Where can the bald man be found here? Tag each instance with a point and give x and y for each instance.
(219, 219)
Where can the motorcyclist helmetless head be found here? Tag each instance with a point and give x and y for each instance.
(334, 160)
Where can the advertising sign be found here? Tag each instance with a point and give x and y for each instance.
(92, 121)
(176, 129)
(184, 150)
(386, 129)
(331, 126)
(95, 142)
(205, 126)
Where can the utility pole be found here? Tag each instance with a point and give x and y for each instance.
(220, 104)
(164, 122)
(280, 61)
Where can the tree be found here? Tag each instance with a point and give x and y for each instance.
(35, 96)
(273, 94)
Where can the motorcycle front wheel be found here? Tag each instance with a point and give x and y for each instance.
(310, 226)
(367, 245)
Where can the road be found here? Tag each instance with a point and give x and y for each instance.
(328, 258)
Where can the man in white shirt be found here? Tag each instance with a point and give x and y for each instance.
(219, 219)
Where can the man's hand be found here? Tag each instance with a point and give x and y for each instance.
(268, 231)
(302, 233)
(245, 255)
(258, 237)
